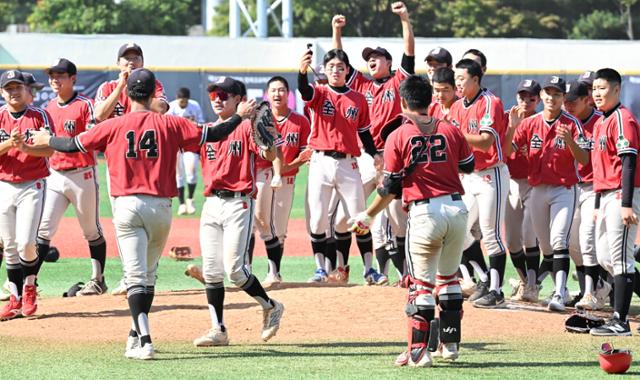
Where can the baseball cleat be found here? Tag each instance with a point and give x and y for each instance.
(182, 209)
(402, 359)
(340, 275)
(320, 275)
(449, 351)
(518, 290)
(189, 207)
(602, 294)
(531, 293)
(120, 290)
(12, 309)
(194, 272)
(271, 280)
(482, 289)
(468, 287)
(271, 320)
(29, 300)
(588, 302)
(145, 352)
(613, 327)
(420, 357)
(131, 349)
(372, 277)
(93, 288)
(213, 337)
(492, 300)
(556, 303)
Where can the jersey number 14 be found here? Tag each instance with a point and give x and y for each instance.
(147, 142)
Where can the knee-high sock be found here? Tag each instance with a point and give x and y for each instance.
(561, 265)
(138, 300)
(476, 259)
(181, 195)
(519, 262)
(397, 256)
(98, 251)
(215, 301)
(545, 268)
(42, 248)
(591, 278)
(365, 246)
(623, 291)
(382, 257)
(343, 245)
(274, 255)
(319, 248)
(330, 255)
(532, 259)
(192, 190)
(253, 288)
(497, 264)
(16, 279)
(581, 278)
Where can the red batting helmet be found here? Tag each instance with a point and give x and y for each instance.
(614, 361)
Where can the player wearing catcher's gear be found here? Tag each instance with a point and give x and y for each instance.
(381, 92)
(141, 148)
(339, 117)
(438, 58)
(480, 116)
(616, 182)
(554, 139)
(227, 216)
(421, 162)
(23, 172)
(582, 243)
(294, 129)
(520, 238)
(73, 179)
(187, 169)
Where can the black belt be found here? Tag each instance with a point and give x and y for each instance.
(454, 197)
(227, 194)
(334, 154)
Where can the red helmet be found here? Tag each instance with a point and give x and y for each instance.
(614, 361)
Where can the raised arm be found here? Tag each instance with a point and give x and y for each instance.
(337, 23)
(400, 9)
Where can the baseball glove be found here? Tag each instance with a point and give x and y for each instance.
(180, 253)
(582, 322)
(263, 127)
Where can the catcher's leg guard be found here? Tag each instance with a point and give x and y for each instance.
(420, 311)
(418, 328)
(450, 317)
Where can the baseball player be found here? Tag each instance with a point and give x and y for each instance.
(444, 93)
(23, 172)
(227, 216)
(188, 108)
(616, 182)
(520, 238)
(480, 116)
(553, 139)
(339, 117)
(421, 163)
(478, 56)
(381, 92)
(73, 177)
(436, 59)
(294, 129)
(582, 243)
(145, 143)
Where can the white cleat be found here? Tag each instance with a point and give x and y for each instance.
(182, 209)
(213, 337)
(271, 320)
(190, 208)
(450, 351)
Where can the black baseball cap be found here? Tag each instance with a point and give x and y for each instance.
(530, 86)
(62, 65)
(576, 89)
(587, 77)
(142, 82)
(30, 80)
(129, 47)
(11, 76)
(441, 55)
(366, 53)
(555, 82)
(228, 85)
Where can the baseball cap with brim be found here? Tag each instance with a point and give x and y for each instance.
(11, 76)
(30, 80)
(555, 82)
(129, 47)
(576, 89)
(62, 65)
(587, 77)
(367, 52)
(142, 82)
(529, 86)
(228, 85)
(441, 55)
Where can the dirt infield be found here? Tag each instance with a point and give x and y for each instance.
(313, 313)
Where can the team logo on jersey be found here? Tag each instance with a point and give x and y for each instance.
(388, 96)
(524, 150)
(486, 121)
(328, 108)
(559, 143)
(369, 96)
(235, 148)
(4, 136)
(70, 126)
(602, 143)
(473, 126)
(536, 142)
(210, 152)
(291, 139)
(352, 113)
(585, 143)
(622, 143)
(118, 110)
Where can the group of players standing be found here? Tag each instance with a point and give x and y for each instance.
(538, 175)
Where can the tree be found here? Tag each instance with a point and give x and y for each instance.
(599, 25)
(14, 12)
(74, 16)
(161, 17)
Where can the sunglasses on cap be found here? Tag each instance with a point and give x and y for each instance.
(223, 96)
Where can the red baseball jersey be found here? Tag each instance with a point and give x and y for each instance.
(295, 131)
(17, 166)
(336, 119)
(439, 155)
(550, 160)
(484, 114)
(435, 110)
(517, 161)
(229, 164)
(71, 119)
(585, 172)
(123, 106)
(383, 99)
(141, 150)
(613, 135)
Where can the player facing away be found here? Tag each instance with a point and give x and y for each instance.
(553, 139)
(616, 182)
(480, 116)
(73, 179)
(187, 169)
(141, 149)
(23, 172)
(422, 159)
(340, 116)
(228, 214)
